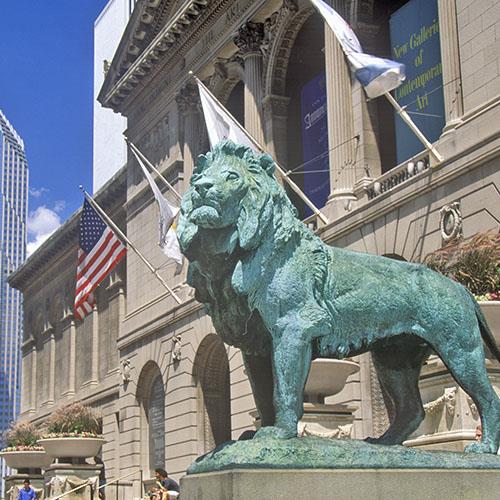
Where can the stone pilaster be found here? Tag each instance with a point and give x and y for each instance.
(341, 140)
(52, 366)
(275, 120)
(33, 389)
(450, 58)
(188, 101)
(72, 356)
(94, 378)
(249, 40)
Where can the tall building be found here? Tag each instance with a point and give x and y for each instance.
(110, 151)
(13, 214)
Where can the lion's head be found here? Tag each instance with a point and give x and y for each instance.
(232, 188)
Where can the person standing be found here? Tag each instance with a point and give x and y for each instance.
(26, 492)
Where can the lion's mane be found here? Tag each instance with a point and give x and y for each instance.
(267, 222)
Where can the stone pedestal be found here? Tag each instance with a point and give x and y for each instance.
(347, 484)
(60, 478)
(15, 482)
(451, 417)
(327, 420)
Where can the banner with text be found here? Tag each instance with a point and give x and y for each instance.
(414, 31)
(315, 141)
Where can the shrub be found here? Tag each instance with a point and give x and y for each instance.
(475, 263)
(74, 419)
(22, 436)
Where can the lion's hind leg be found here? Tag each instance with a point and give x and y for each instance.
(398, 362)
(465, 360)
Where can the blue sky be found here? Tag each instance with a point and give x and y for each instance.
(46, 92)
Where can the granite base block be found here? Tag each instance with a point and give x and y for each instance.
(345, 484)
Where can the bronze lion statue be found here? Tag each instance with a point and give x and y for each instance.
(279, 293)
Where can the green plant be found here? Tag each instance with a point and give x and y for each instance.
(74, 419)
(22, 436)
(474, 262)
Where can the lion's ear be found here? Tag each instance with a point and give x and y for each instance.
(267, 164)
(255, 213)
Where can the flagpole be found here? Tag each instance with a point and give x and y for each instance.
(282, 172)
(407, 119)
(137, 153)
(118, 231)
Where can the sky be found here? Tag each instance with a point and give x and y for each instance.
(46, 92)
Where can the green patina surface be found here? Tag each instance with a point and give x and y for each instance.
(274, 289)
(320, 453)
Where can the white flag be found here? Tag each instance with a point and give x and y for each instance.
(377, 75)
(220, 124)
(168, 237)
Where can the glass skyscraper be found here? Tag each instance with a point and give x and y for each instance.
(13, 215)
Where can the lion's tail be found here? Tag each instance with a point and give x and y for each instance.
(486, 334)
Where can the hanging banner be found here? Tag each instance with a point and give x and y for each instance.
(414, 32)
(315, 141)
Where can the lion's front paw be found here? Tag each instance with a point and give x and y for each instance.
(273, 432)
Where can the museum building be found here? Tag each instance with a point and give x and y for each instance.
(166, 387)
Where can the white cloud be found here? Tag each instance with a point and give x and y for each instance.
(59, 206)
(42, 222)
(38, 192)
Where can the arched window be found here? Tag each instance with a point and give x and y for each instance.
(211, 372)
(151, 398)
(156, 424)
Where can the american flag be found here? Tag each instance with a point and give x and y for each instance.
(99, 252)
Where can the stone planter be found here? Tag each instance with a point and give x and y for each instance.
(26, 459)
(328, 376)
(491, 311)
(72, 447)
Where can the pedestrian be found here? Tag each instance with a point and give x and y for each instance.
(167, 485)
(26, 492)
(102, 478)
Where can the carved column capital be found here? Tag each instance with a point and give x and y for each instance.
(249, 38)
(188, 99)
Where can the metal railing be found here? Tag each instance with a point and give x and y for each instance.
(115, 481)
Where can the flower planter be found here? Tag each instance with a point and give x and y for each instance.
(26, 459)
(491, 311)
(72, 447)
(328, 376)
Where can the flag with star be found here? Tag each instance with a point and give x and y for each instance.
(99, 252)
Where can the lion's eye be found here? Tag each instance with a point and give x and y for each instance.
(231, 176)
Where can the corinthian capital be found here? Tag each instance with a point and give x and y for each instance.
(250, 37)
(188, 98)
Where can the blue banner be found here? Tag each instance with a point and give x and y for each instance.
(414, 31)
(315, 141)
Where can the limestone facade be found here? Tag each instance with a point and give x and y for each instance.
(254, 55)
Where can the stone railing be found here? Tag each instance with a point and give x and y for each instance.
(402, 173)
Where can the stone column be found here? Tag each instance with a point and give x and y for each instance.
(249, 40)
(341, 140)
(188, 102)
(450, 58)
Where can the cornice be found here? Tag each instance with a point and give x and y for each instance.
(125, 75)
